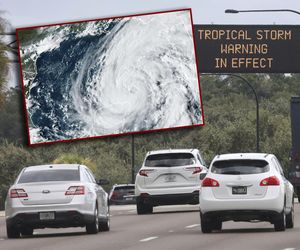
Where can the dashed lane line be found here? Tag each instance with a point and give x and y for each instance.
(149, 238)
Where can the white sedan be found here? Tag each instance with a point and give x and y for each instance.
(246, 187)
(56, 195)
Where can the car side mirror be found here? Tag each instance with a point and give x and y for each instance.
(202, 176)
(103, 182)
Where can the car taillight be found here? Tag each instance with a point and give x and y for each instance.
(209, 182)
(75, 190)
(270, 181)
(114, 195)
(196, 170)
(18, 193)
(145, 172)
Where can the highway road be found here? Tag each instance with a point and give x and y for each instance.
(170, 227)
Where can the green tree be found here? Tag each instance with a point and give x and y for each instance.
(75, 159)
(3, 60)
(12, 159)
(12, 122)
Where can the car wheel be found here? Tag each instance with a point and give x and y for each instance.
(12, 232)
(27, 231)
(104, 225)
(206, 226)
(143, 208)
(217, 225)
(93, 228)
(280, 222)
(290, 218)
(149, 209)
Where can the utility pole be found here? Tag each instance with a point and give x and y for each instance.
(132, 159)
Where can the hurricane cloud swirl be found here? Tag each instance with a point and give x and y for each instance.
(111, 76)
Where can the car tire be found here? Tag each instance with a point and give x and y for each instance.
(217, 225)
(143, 208)
(280, 222)
(27, 231)
(104, 225)
(149, 209)
(93, 227)
(290, 218)
(206, 226)
(12, 232)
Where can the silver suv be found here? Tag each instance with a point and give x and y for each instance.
(169, 177)
(57, 195)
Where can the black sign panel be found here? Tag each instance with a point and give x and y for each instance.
(295, 122)
(248, 48)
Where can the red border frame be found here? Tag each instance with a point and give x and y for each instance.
(109, 135)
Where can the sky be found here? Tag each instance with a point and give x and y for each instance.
(39, 12)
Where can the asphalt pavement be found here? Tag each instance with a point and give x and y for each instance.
(169, 227)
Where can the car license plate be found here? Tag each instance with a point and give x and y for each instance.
(239, 190)
(170, 178)
(47, 216)
(129, 198)
(298, 174)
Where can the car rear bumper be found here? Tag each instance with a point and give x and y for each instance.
(82, 207)
(62, 219)
(243, 215)
(166, 190)
(273, 201)
(170, 199)
(122, 202)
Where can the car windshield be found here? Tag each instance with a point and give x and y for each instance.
(50, 175)
(170, 160)
(237, 167)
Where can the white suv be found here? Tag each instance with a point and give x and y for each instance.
(169, 177)
(246, 187)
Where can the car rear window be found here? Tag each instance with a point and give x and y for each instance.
(121, 188)
(49, 175)
(236, 167)
(170, 160)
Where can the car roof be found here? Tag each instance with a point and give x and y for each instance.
(247, 156)
(166, 151)
(52, 166)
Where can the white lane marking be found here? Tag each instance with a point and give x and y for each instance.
(192, 226)
(171, 231)
(2, 239)
(291, 248)
(148, 239)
